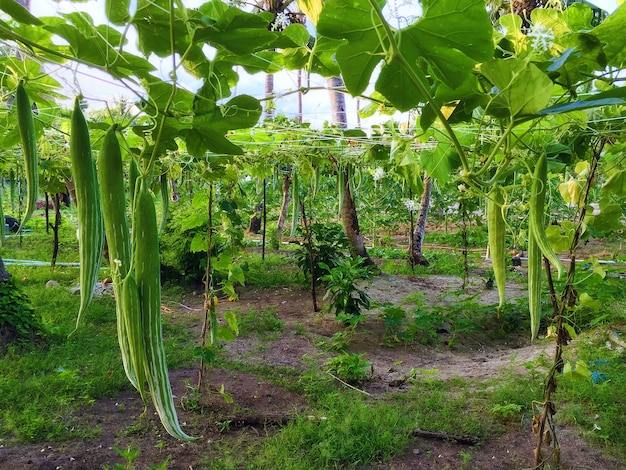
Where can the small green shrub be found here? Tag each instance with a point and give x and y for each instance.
(351, 368)
(330, 246)
(346, 298)
(18, 320)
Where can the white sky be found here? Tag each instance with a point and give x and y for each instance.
(98, 87)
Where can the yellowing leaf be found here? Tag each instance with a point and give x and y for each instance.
(585, 300)
(570, 191)
(582, 169)
(311, 8)
(577, 370)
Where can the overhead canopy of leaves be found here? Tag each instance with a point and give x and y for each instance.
(445, 44)
(611, 34)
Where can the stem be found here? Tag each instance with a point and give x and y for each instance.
(311, 256)
(55, 229)
(208, 287)
(568, 299)
(264, 218)
(412, 221)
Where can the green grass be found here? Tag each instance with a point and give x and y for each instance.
(45, 384)
(260, 323)
(597, 405)
(277, 270)
(446, 263)
(37, 245)
(344, 432)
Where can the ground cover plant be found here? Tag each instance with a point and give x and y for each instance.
(512, 139)
(297, 406)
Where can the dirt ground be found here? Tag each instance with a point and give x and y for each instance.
(259, 408)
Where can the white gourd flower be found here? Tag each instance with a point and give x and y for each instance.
(281, 21)
(379, 173)
(542, 38)
(410, 204)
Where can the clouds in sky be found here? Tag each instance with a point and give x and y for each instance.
(99, 88)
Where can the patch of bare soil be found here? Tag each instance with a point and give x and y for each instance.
(259, 408)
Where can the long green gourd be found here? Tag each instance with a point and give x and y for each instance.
(147, 274)
(536, 213)
(496, 232)
(295, 202)
(534, 283)
(90, 224)
(1, 221)
(129, 307)
(165, 201)
(26, 125)
(112, 195)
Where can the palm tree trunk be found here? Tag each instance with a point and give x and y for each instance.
(420, 226)
(284, 208)
(349, 216)
(4, 274)
(269, 91)
(351, 223)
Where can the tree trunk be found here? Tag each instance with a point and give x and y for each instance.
(284, 208)
(337, 102)
(420, 226)
(351, 223)
(349, 217)
(269, 91)
(4, 274)
(71, 189)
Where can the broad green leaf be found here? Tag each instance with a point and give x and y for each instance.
(212, 10)
(198, 242)
(441, 162)
(194, 220)
(452, 36)
(225, 333)
(512, 25)
(519, 90)
(353, 21)
(411, 173)
(598, 270)
(262, 61)
(560, 237)
(117, 11)
(236, 274)
(447, 41)
(578, 16)
(209, 129)
(616, 183)
(18, 12)
(323, 57)
(294, 35)
(609, 219)
(238, 32)
(155, 27)
(585, 300)
(611, 33)
(577, 370)
(231, 320)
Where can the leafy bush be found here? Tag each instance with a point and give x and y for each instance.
(346, 298)
(351, 368)
(18, 321)
(330, 245)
